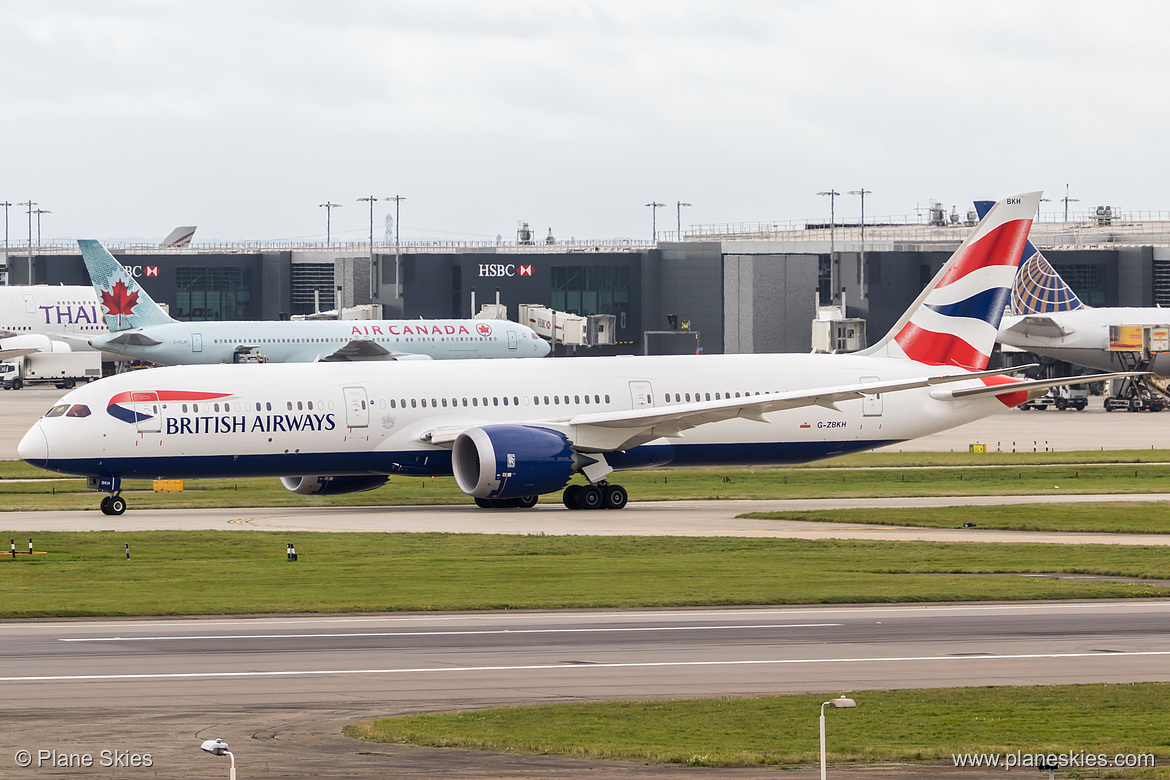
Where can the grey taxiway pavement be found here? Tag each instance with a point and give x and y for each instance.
(278, 689)
(659, 518)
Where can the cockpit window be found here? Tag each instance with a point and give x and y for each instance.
(78, 410)
(57, 410)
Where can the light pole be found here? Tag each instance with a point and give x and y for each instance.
(7, 270)
(38, 212)
(29, 204)
(1068, 200)
(861, 271)
(680, 208)
(833, 195)
(839, 703)
(397, 251)
(654, 206)
(329, 206)
(217, 747)
(373, 269)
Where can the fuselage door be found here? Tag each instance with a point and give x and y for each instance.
(641, 394)
(513, 341)
(357, 408)
(871, 405)
(148, 412)
(196, 342)
(30, 306)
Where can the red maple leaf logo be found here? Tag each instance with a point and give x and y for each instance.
(120, 300)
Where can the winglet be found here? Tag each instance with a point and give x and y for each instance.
(125, 305)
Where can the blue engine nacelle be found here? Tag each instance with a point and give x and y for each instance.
(511, 461)
(331, 486)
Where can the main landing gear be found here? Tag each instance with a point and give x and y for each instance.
(113, 505)
(600, 496)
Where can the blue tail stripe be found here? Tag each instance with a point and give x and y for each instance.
(986, 305)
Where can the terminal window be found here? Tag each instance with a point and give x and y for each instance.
(1086, 280)
(213, 294)
(588, 289)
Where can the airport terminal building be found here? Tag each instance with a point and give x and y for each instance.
(721, 288)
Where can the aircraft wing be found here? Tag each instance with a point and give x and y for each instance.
(8, 354)
(1039, 325)
(364, 349)
(609, 431)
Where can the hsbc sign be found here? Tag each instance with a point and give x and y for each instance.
(504, 269)
(138, 271)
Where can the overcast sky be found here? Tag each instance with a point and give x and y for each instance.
(127, 118)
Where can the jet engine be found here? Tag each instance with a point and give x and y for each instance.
(511, 461)
(331, 486)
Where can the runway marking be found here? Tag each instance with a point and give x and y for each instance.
(466, 632)
(569, 665)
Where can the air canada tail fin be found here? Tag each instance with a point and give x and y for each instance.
(179, 238)
(125, 305)
(955, 319)
(1038, 288)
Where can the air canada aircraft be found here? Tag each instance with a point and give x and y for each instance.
(1045, 317)
(141, 330)
(510, 435)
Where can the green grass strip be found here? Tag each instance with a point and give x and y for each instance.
(649, 485)
(901, 726)
(1106, 517)
(233, 572)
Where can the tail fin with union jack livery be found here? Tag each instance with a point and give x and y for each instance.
(955, 319)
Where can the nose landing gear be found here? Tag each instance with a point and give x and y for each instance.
(113, 505)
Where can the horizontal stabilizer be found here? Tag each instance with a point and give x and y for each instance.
(1031, 385)
(1039, 325)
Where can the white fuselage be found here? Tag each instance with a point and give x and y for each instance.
(1085, 340)
(379, 418)
(189, 343)
(68, 313)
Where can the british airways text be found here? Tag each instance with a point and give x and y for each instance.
(268, 423)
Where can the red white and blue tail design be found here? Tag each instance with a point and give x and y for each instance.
(1038, 288)
(955, 319)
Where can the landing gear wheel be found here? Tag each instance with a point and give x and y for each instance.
(105, 505)
(570, 496)
(484, 503)
(113, 505)
(614, 497)
(589, 497)
(527, 502)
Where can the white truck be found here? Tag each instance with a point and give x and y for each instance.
(62, 369)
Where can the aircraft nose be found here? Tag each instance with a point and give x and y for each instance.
(542, 348)
(34, 448)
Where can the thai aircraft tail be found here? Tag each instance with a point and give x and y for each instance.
(125, 305)
(955, 319)
(1038, 288)
(179, 238)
